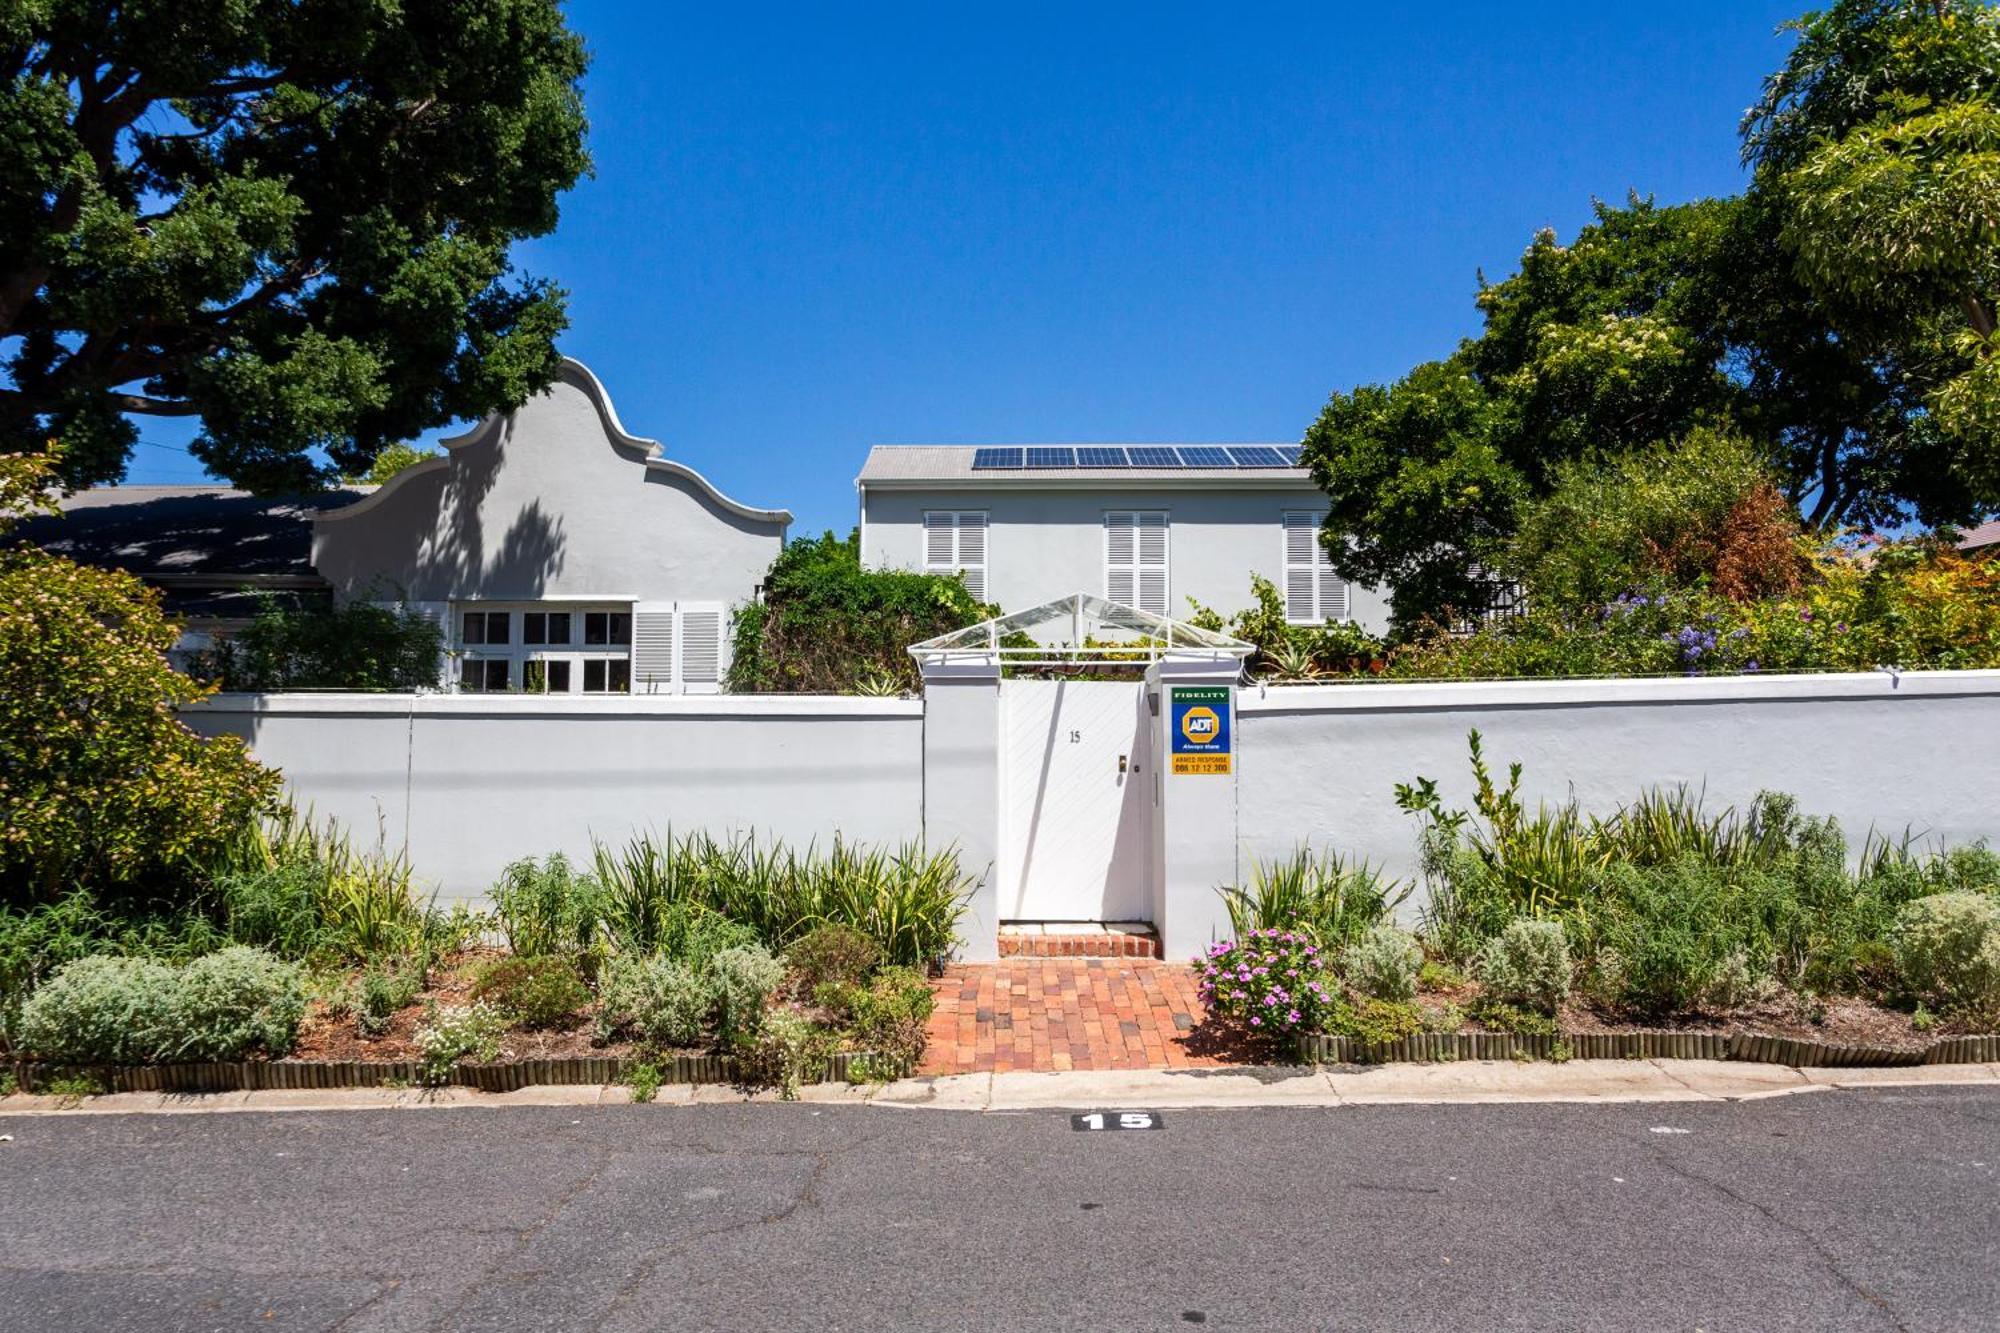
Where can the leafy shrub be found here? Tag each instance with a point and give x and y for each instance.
(101, 1010)
(826, 623)
(908, 900)
(887, 1015)
(832, 954)
(454, 1032)
(1276, 982)
(744, 979)
(1947, 952)
(549, 907)
(382, 992)
(1522, 1020)
(1382, 965)
(1528, 964)
(1287, 651)
(643, 1077)
(540, 992)
(357, 645)
(787, 1051)
(660, 1001)
(1374, 1022)
(106, 1010)
(1333, 899)
(1684, 936)
(106, 789)
(234, 1001)
(695, 935)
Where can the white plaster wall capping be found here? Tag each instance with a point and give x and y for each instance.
(331, 704)
(1364, 696)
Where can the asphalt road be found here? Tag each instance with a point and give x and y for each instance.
(1838, 1210)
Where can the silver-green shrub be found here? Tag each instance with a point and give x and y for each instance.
(658, 1000)
(1527, 964)
(108, 1010)
(1382, 964)
(744, 978)
(455, 1032)
(1947, 952)
(100, 1010)
(233, 1001)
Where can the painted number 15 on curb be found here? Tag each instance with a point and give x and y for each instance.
(1115, 1120)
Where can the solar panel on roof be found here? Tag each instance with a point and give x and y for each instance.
(1292, 455)
(1050, 457)
(1152, 456)
(1256, 455)
(1205, 456)
(987, 459)
(1098, 456)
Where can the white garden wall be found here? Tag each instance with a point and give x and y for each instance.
(471, 782)
(1915, 751)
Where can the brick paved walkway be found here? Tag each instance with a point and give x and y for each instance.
(1068, 1013)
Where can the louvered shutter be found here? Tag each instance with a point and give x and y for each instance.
(972, 552)
(940, 540)
(700, 647)
(653, 648)
(1120, 550)
(1152, 563)
(1313, 592)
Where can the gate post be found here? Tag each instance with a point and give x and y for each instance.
(962, 785)
(1195, 835)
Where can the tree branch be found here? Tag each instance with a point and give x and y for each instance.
(157, 407)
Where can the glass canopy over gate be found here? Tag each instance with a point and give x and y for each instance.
(1076, 631)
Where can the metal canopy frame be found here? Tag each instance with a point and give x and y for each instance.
(1147, 638)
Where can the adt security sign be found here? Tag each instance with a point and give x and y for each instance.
(1200, 719)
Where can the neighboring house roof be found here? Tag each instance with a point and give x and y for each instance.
(1980, 538)
(205, 535)
(914, 466)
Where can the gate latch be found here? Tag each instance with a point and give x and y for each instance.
(1121, 763)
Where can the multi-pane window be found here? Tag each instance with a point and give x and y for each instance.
(1135, 559)
(1314, 594)
(537, 650)
(955, 543)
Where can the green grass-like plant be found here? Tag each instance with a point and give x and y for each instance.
(1329, 896)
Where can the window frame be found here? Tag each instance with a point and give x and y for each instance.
(521, 657)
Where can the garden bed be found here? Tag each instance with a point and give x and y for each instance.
(1645, 1044)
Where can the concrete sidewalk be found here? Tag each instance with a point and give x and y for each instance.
(1465, 1082)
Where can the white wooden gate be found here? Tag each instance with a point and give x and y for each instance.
(1078, 796)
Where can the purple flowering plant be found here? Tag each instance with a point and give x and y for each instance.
(1277, 982)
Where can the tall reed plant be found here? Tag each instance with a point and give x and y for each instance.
(1334, 899)
(907, 899)
(300, 888)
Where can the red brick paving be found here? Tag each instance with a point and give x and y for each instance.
(1069, 1013)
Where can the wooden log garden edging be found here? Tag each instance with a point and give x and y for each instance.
(499, 1076)
(1644, 1045)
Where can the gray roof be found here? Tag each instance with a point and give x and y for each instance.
(192, 533)
(1981, 537)
(918, 463)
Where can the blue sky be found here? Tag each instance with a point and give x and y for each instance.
(818, 227)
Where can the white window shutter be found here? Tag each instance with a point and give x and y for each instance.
(940, 550)
(652, 647)
(1333, 600)
(1300, 594)
(972, 552)
(1120, 551)
(1153, 563)
(700, 648)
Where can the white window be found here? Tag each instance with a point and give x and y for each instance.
(955, 542)
(542, 648)
(1313, 592)
(1135, 559)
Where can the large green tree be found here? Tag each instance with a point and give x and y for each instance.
(1838, 316)
(291, 221)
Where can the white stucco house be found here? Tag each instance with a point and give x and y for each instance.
(560, 552)
(1150, 526)
(566, 554)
